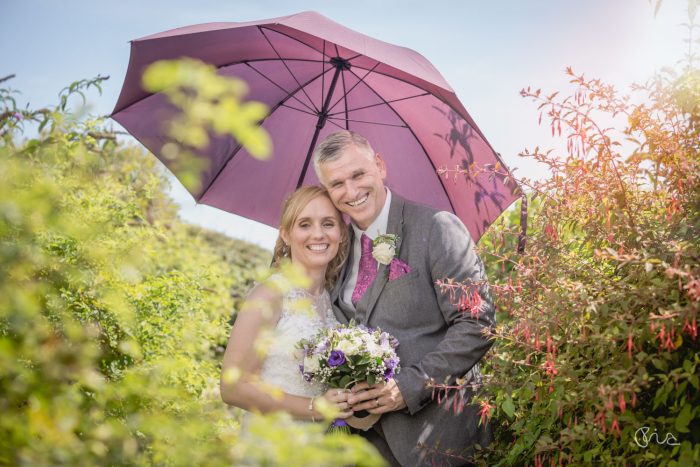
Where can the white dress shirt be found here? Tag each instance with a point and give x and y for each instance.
(376, 228)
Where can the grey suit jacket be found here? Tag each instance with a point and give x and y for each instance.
(436, 340)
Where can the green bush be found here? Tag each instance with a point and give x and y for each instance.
(114, 313)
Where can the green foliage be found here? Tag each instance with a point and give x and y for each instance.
(597, 334)
(266, 444)
(114, 313)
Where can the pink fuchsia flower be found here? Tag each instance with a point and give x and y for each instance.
(470, 301)
(615, 426)
(485, 411)
(621, 402)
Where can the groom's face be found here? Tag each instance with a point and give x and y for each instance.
(355, 182)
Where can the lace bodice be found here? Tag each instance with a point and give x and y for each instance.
(298, 321)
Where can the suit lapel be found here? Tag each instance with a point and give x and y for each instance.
(395, 226)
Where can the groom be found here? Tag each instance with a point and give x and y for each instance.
(438, 341)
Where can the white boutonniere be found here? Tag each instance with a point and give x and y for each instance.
(384, 248)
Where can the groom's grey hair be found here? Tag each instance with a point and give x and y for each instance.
(332, 147)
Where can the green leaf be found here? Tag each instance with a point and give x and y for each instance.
(684, 417)
(371, 380)
(344, 381)
(688, 366)
(660, 364)
(508, 407)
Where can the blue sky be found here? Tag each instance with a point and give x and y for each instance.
(487, 50)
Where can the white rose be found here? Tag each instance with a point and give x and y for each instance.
(384, 253)
(347, 346)
(374, 350)
(310, 365)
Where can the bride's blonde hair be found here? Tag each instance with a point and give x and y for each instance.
(291, 209)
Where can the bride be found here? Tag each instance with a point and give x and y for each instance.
(314, 237)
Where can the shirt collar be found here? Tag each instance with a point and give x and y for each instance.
(379, 226)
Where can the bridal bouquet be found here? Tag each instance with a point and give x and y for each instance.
(348, 354)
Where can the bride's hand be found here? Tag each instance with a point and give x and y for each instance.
(338, 398)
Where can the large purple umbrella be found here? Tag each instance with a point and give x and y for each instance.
(318, 77)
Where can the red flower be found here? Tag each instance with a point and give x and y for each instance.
(692, 330)
(485, 411)
(615, 427)
(629, 345)
(549, 367)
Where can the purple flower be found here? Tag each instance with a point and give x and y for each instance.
(384, 339)
(391, 363)
(336, 358)
(388, 374)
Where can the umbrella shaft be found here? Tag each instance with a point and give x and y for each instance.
(339, 64)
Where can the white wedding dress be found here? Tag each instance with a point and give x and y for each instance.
(281, 365)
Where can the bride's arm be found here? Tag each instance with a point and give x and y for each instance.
(240, 384)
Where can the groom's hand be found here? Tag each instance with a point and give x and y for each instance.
(378, 399)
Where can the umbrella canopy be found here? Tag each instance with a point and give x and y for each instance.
(318, 77)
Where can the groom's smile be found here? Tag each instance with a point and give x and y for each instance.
(359, 202)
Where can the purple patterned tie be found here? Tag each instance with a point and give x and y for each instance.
(367, 271)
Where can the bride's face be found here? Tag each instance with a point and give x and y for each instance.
(315, 235)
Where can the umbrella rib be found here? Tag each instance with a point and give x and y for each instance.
(273, 59)
(223, 66)
(323, 72)
(346, 124)
(409, 83)
(467, 118)
(311, 47)
(299, 110)
(408, 127)
(239, 146)
(353, 87)
(383, 103)
(345, 99)
(368, 123)
(285, 65)
(289, 94)
(292, 38)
